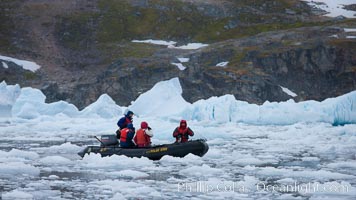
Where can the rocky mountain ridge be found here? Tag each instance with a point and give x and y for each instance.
(85, 49)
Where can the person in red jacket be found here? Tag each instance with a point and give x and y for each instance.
(182, 132)
(143, 135)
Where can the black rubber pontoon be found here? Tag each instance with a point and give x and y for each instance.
(197, 147)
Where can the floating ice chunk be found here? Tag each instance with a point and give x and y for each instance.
(288, 91)
(53, 177)
(27, 65)
(288, 173)
(222, 64)
(164, 99)
(17, 194)
(16, 168)
(180, 66)
(64, 148)
(22, 154)
(310, 159)
(248, 161)
(129, 173)
(286, 181)
(118, 196)
(189, 159)
(104, 107)
(182, 60)
(95, 161)
(53, 160)
(351, 164)
(157, 42)
(128, 189)
(200, 171)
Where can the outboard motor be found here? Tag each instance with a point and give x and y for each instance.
(108, 140)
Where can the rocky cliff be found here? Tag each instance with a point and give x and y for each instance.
(85, 48)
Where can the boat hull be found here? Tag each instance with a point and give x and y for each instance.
(196, 147)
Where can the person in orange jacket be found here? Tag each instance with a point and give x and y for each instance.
(126, 136)
(182, 132)
(143, 135)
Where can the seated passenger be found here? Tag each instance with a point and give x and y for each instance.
(143, 135)
(182, 132)
(126, 137)
(125, 120)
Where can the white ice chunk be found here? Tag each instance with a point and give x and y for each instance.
(53, 160)
(182, 60)
(8, 96)
(180, 66)
(16, 168)
(191, 46)
(17, 194)
(200, 171)
(28, 65)
(351, 37)
(63, 148)
(351, 164)
(95, 161)
(288, 91)
(157, 42)
(5, 65)
(129, 173)
(222, 64)
(347, 30)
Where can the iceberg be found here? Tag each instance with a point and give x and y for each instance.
(31, 103)
(164, 99)
(104, 107)
(337, 111)
(8, 96)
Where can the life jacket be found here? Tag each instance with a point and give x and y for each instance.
(123, 136)
(182, 131)
(141, 138)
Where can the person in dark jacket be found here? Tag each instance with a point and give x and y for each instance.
(126, 136)
(182, 132)
(124, 121)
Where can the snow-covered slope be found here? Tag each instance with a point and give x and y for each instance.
(165, 100)
(334, 7)
(27, 65)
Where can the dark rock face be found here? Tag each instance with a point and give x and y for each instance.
(85, 49)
